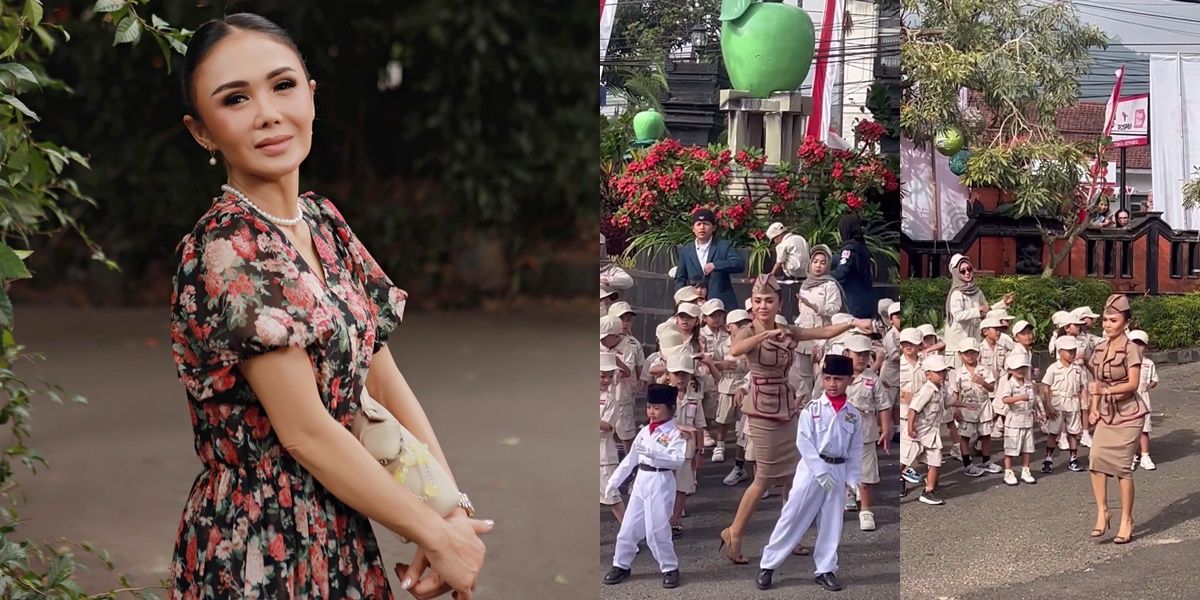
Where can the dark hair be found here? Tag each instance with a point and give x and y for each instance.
(699, 282)
(850, 228)
(212, 32)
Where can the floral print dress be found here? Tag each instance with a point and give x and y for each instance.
(257, 524)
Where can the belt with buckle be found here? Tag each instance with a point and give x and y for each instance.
(644, 467)
(833, 461)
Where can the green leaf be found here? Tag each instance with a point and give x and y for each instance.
(12, 47)
(20, 71)
(179, 46)
(6, 310)
(17, 104)
(47, 39)
(732, 10)
(158, 22)
(33, 12)
(129, 31)
(104, 6)
(11, 265)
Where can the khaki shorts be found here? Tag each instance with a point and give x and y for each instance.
(870, 464)
(744, 440)
(1071, 422)
(685, 478)
(625, 426)
(911, 450)
(1018, 441)
(727, 413)
(947, 411)
(1146, 425)
(710, 403)
(968, 429)
(606, 472)
(998, 428)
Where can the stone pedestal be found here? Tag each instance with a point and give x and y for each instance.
(776, 123)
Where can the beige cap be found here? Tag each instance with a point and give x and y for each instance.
(1066, 342)
(968, 345)
(775, 229)
(737, 316)
(689, 309)
(1000, 315)
(1020, 326)
(840, 318)
(1137, 335)
(620, 308)
(857, 343)
(893, 309)
(712, 306)
(1016, 361)
(607, 294)
(749, 303)
(910, 335)
(781, 320)
(927, 330)
(669, 335)
(672, 272)
(1085, 312)
(935, 363)
(954, 260)
(608, 362)
(681, 363)
(686, 293)
(991, 322)
(609, 326)
(1063, 318)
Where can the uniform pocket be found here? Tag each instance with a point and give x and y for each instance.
(767, 399)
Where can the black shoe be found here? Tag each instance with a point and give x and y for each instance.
(616, 575)
(1047, 466)
(763, 581)
(676, 531)
(931, 497)
(671, 579)
(829, 582)
(1074, 465)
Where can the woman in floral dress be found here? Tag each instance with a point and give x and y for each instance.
(279, 322)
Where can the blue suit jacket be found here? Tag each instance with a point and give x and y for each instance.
(726, 262)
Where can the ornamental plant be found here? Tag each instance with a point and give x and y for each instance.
(658, 190)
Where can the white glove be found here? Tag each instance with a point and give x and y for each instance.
(825, 480)
(610, 490)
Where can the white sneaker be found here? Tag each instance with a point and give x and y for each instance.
(1085, 440)
(851, 503)
(736, 476)
(1026, 476)
(992, 467)
(955, 452)
(866, 521)
(1148, 464)
(766, 494)
(718, 454)
(708, 441)
(1010, 478)
(974, 471)
(1062, 441)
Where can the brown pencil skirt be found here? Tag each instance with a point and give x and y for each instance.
(1113, 448)
(775, 453)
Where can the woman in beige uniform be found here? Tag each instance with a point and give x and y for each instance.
(1117, 414)
(771, 405)
(821, 297)
(965, 307)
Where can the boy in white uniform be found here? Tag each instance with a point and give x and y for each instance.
(1018, 396)
(712, 336)
(608, 448)
(971, 390)
(829, 437)
(1148, 380)
(1065, 383)
(867, 395)
(657, 452)
(922, 434)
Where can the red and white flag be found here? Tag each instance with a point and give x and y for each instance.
(1110, 110)
(608, 12)
(827, 65)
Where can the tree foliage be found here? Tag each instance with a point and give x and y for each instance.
(1020, 60)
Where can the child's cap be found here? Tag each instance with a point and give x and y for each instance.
(712, 306)
(882, 306)
(840, 318)
(607, 294)
(910, 335)
(927, 330)
(1085, 312)
(672, 272)
(608, 362)
(780, 320)
(774, 230)
(689, 309)
(893, 309)
(991, 322)
(749, 303)
(1000, 315)
(609, 326)
(838, 366)
(619, 309)
(857, 343)
(737, 316)
(1063, 318)
(1016, 361)
(1066, 342)
(968, 345)
(658, 393)
(686, 293)
(935, 363)
(680, 363)
(1021, 326)
(1137, 335)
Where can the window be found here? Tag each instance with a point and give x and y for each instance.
(1092, 268)
(1193, 260)
(1137, 202)
(1110, 258)
(935, 266)
(914, 265)
(1127, 259)
(1176, 260)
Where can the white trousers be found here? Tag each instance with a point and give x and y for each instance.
(809, 503)
(648, 517)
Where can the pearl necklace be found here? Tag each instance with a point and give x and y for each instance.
(272, 218)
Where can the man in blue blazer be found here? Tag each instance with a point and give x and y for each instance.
(709, 259)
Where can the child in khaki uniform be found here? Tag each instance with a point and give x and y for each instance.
(992, 354)
(866, 393)
(1017, 394)
(1147, 381)
(1065, 382)
(608, 448)
(625, 428)
(971, 390)
(1022, 348)
(912, 379)
(922, 434)
(733, 370)
(889, 375)
(713, 336)
(689, 418)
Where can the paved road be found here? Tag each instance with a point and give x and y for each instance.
(869, 562)
(991, 541)
(506, 395)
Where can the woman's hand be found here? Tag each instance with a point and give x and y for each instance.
(1009, 298)
(1093, 416)
(456, 559)
(864, 325)
(1094, 388)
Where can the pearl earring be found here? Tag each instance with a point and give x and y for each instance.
(212, 157)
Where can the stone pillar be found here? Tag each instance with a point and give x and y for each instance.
(776, 124)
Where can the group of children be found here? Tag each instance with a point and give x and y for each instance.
(985, 391)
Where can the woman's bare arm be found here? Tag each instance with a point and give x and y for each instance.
(747, 341)
(387, 385)
(822, 333)
(284, 383)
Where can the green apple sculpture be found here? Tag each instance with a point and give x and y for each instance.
(948, 142)
(766, 46)
(648, 126)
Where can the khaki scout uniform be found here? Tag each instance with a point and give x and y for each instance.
(992, 358)
(998, 404)
(727, 413)
(690, 414)
(928, 404)
(1066, 388)
(973, 400)
(1018, 423)
(608, 448)
(625, 425)
(889, 375)
(912, 379)
(1148, 375)
(867, 395)
(712, 343)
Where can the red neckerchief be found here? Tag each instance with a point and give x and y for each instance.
(654, 425)
(837, 401)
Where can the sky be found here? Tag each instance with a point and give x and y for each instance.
(1146, 27)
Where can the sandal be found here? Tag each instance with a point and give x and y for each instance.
(676, 531)
(1107, 522)
(1125, 539)
(727, 540)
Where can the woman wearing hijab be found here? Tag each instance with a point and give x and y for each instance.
(853, 269)
(821, 297)
(966, 307)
